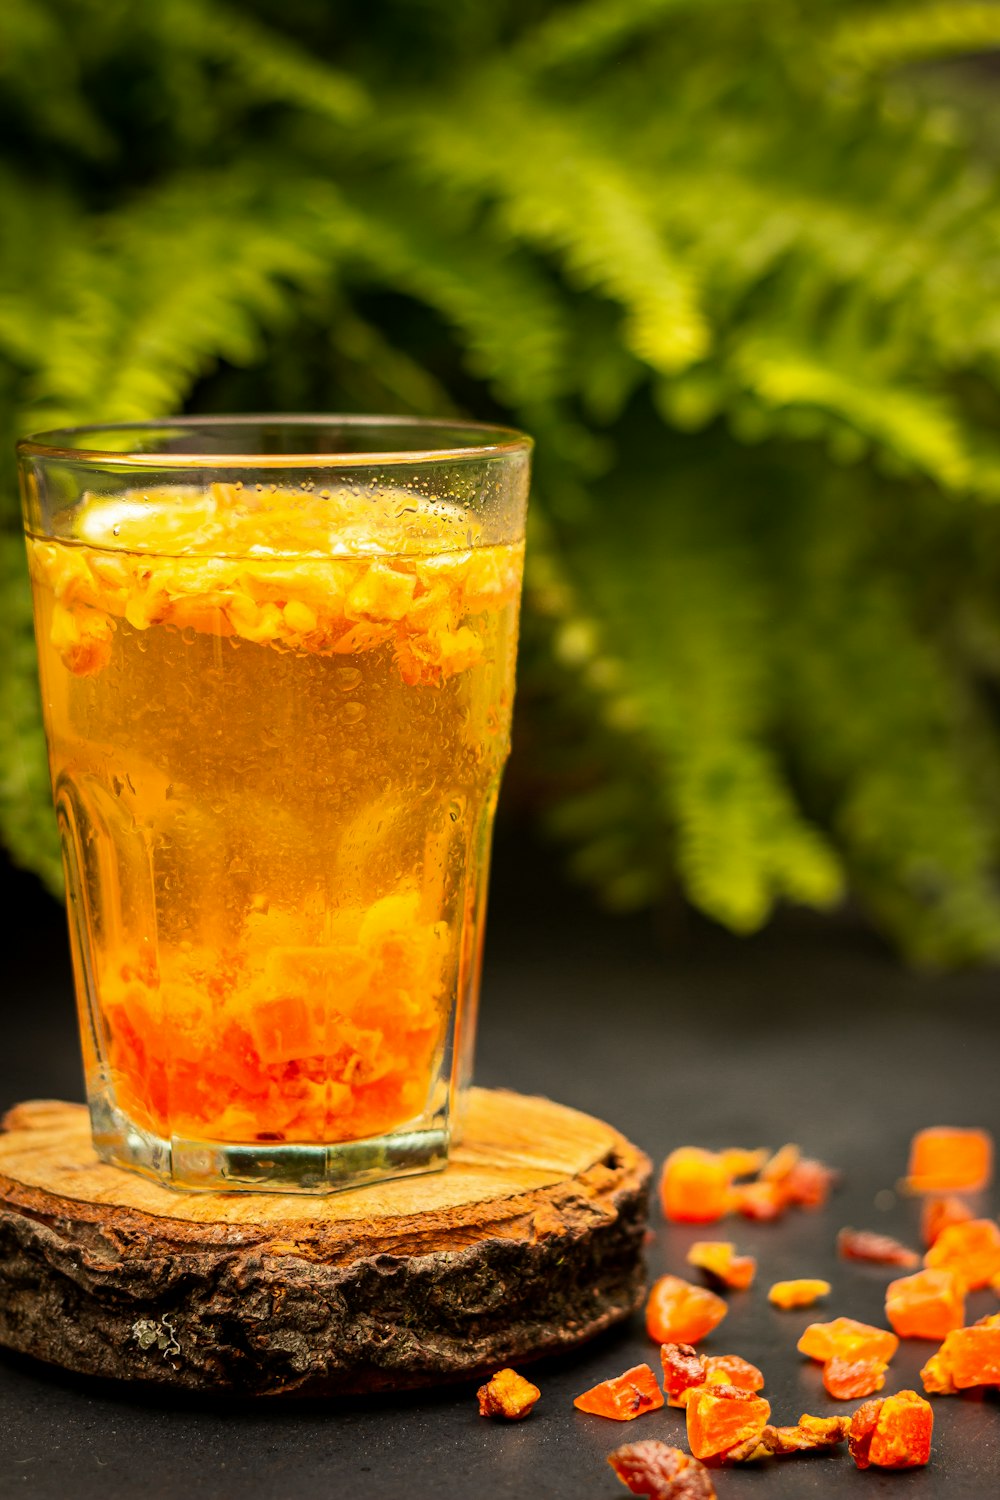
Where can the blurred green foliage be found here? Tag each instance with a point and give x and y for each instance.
(731, 265)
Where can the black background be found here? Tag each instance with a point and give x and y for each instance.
(811, 1032)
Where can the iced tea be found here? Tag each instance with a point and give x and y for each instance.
(277, 720)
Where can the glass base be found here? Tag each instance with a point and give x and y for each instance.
(265, 1167)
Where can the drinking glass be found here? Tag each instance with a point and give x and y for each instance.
(277, 667)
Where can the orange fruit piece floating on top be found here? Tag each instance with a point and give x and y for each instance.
(946, 1159)
(624, 1397)
(679, 1312)
(970, 1249)
(894, 1433)
(938, 1214)
(800, 1293)
(848, 1339)
(719, 1259)
(720, 1417)
(969, 1357)
(926, 1305)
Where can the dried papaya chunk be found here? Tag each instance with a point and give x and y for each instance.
(938, 1213)
(683, 1368)
(624, 1397)
(849, 1379)
(970, 1249)
(926, 1305)
(762, 1201)
(969, 1357)
(739, 1162)
(810, 1435)
(694, 1186)
(679, 1312)
(894, 1433)
(654, 1469)
(507, 1394)
(718, 1258)
(945, 1159)
(720, 1417)
(799, 1293)
(848, 1339)
(880, 1249)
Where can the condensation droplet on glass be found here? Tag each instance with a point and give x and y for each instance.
(347, 678)
(352, 713)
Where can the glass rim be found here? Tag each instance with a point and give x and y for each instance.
(494, 441)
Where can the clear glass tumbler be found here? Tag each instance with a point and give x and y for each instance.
(277, 665)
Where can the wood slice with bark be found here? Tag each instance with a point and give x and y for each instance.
(529, 1242)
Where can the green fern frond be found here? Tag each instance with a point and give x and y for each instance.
(895, 34)
(557, 192)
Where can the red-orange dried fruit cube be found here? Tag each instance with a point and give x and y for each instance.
(654, 1469)
(720, 1417)
(759, 1200)
(732, 1369)
(507, 1394)
(880, 1249)
(683, 1368)
(894, 1433)
(624, 1396)
(809, 1182)
(848, 1338)
(945, 1159)
(969, 1357)
(719, 1259)
(970, 1249)
(694, 1186)
(938, 1213)
(849, 1379)
(926, 1305)
(679, 1312)
(801, 1293)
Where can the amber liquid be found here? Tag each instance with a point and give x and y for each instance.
(276, 825)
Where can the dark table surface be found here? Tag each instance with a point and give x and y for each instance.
(810, 1032)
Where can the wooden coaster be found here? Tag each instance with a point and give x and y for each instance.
(528, 1243)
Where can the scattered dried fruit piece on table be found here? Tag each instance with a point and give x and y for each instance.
(848, 1339)
(970, 1249)
(800, 1293)
(679, 1312)
(850, 1379)
(945, 1159)
(926, 1305)
(694, 1186)
(811, 1435)
(739, 1162)
(660, 1472)
(719, 1259)
(938, 1214)
(507, 1394)
(732, 1369)
(880, 1249)
(720, 1417)
(624, 1396)
(969, 1357)
(759, 1200)
(683, 1368)
(799, 1179)
(894, 1433)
